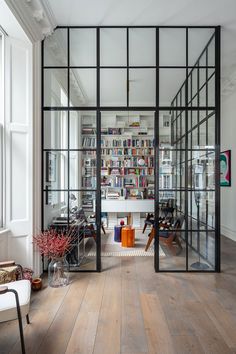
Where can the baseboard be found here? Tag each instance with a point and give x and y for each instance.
(226, 231)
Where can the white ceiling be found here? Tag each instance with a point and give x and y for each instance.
(155, 12)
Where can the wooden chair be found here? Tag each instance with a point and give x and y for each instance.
(15, 301)
(168, 237)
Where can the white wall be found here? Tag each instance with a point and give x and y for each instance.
(228, 142)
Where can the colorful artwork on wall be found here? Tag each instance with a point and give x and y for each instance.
(225, 168)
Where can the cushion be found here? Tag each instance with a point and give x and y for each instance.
(164, 233)
(8, 303)
(7, 274)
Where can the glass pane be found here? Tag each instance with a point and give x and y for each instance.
(56, 169)
(83, 87)
(172, 86)
(201, 251)
(142, 88)
(211, 53)
(55, 88)
(55, 48)
(142, 47)
(197, 41)
(172, 255)
(127, 158)
(82, 170)
(82, 211)
(211, 131)
(166, 128)
(55, 210)
(201, 170)
(113, 47)
(201, 210)
(172, 41)
(83, 130)
(113, 89)
(211, 88)
(55, 130)
(83, 47)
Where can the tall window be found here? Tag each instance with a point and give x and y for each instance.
(1, 124)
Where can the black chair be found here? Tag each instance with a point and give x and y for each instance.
(169, 208)
(148, 221)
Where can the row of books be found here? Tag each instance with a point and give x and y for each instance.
(127, 143)
(89, 162)
(127, 152)
(134, 193)
(88, 131)
(88, 201)
(89, 142)
(89, 182)
(129, 162)
(122, 171)
(89, 171)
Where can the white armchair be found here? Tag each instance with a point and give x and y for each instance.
(14, 303)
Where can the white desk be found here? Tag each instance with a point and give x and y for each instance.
(112, 207)
(129, 206)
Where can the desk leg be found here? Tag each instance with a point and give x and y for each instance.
(129, 219)
(150, 238)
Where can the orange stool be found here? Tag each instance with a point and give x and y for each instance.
(127, 236)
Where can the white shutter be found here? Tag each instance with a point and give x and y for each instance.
(18, 137)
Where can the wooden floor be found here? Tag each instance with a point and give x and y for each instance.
(129, 309)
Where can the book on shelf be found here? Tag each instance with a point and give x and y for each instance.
(88, 130)
(89, 142)
(89, 182)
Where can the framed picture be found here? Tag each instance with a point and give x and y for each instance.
(225, 168)
(51, 160)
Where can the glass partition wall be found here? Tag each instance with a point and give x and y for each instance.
(170, 74)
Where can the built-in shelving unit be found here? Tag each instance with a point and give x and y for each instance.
(127, 151)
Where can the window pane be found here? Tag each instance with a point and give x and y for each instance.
(171, 81)
(83, 47)
(211, 131)
(201, 250)
(142, 87)
(172, 41)
(55, 170)
(83, 130)
(113, 47)
(55, 130)
(197, 41)
(55, 88)
(211, 88)
(83, 87)
(165, 128)
(142, 47)
(55, 209)
(113, 87)
(83, 170)
(55, 48)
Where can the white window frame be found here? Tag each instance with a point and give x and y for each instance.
(2, 139)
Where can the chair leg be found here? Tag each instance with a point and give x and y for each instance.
(144, 228)
(150, 238)
(19, 320)
(103, 229)
(27, 319)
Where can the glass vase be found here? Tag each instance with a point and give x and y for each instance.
(58, 272)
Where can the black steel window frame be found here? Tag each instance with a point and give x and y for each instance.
(187, 108)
